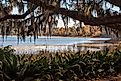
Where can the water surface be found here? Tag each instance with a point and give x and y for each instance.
(44, 40)
(46, 43)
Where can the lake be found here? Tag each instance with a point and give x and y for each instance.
(44, 40)
(46, 43)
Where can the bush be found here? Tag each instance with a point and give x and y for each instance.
(65, 66)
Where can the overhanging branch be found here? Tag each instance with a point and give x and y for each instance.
(18, 16)
(73, 14)
(115, 2)
(91, 21)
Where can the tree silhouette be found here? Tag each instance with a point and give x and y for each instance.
(41, 15)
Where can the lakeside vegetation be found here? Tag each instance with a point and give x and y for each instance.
(59, 66)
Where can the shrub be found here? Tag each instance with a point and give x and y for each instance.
(57, 66)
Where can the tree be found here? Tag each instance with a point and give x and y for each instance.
(43, 14)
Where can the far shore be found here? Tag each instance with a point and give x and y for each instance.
(76, 36)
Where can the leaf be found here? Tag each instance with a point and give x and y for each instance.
(5, 75)
(81, 62)
(14, 63)
(58, 74)
(95, 60)
(1, 56)
(100, 70)
(22, 71)
(23, 56)
(111, 70)
(76, 65)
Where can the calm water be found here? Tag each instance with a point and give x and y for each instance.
(46, 43)
(43, 40)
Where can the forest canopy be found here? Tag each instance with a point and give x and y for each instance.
(35, 16)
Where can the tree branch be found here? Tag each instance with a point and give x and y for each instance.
(92, 21)
(115, 2)
(18, 16)
(73, 14)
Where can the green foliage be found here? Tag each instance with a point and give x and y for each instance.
(67, 66)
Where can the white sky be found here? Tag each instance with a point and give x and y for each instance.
(61, 24)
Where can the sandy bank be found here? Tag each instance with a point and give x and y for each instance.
(32, 49)
(92, 46)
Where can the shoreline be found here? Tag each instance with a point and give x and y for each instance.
(93, 45)
(33, 49)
